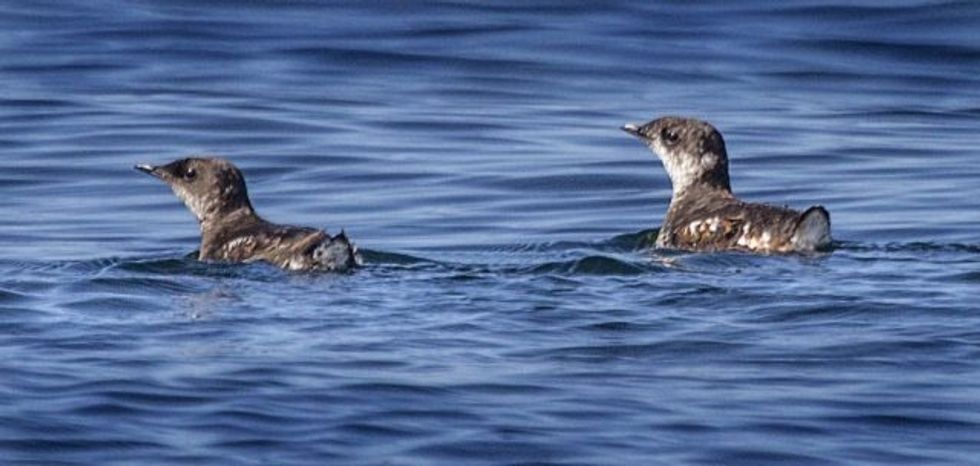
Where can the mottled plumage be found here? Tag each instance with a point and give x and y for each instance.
(704, 215)
(214, 191)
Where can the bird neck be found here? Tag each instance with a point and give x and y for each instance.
(223, 220)
(699, 194)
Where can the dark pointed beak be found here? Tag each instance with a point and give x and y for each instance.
(633, 129)
(148, 169)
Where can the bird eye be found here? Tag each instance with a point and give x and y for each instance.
(669, 136)
(190, 173)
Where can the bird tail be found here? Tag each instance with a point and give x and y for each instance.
(813, 230)
(337, 254)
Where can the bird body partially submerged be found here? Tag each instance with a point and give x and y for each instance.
(214, 191)
(704, 215)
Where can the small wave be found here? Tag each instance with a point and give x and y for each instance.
(643, 239)
(43, 267)
(392, 258)
(135, 270)
(625, 243)
(170, 265)
(967, 277)
(392, 389)
(10, 296)
(672, 349)
(595, 265)
(623, 255)
(915, 246)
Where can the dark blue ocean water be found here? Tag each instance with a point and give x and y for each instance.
(511, 310)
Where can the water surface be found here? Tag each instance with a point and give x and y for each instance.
(511, 310)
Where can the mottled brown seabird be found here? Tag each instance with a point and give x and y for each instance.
(214, 191)
(704, 215)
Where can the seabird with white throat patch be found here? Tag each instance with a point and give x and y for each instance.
(704, 214)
